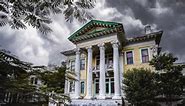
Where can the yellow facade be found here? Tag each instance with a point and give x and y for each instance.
(137, 57)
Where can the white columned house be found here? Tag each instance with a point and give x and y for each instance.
(102, 56)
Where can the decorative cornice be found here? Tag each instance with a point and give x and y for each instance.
(155, 35)
(110, 27)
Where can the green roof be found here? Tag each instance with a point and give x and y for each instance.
(110, 27)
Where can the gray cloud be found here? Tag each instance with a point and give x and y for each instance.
(167, 15)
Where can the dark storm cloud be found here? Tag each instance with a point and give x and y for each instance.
(168, 15)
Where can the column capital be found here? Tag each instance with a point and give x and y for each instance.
(88, 47)
(115, 44)
(101, 45)
(77, 50)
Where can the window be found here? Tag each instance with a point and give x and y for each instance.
(32, 80)
(109, 86)
(109, 61)
(129, 57)
(82, 64)
(36, 81)
(112, 85)
(71, 86)
(82, 87)
(73, 65)
(144, 55)
(97, 63)
(97, 86)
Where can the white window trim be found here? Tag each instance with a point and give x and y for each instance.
(71, 64)
(69, 88)
(149, 57)
(125, 55)
(84, 87)
(84, 64)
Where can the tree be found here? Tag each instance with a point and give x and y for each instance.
(14, 82)
(54, 84)
(140, 87)
(169, 77)
(37, 13)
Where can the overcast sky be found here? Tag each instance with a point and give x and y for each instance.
(167, 15)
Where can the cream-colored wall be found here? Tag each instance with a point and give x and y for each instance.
(136, 48)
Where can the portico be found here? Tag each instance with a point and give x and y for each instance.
(101, 44)
(102, 71)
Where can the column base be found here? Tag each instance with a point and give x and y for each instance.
(101, 97)
(116, 97)
(88, 97)
(76, 97)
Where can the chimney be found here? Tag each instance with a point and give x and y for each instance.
(148, 29)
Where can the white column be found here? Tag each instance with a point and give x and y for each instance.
(121, 65)
(89, 73)
(117, 88)
(77, 72)
(102, 72)
(66, 87)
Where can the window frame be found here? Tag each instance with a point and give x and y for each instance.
(71, 89)
(72, 65)
(97, 58)
(126, 62)
(107, 58)
(83, 87)
(82, 64)
(141, 57)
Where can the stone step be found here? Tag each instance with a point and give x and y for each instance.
(107, 102)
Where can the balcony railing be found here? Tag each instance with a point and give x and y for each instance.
(108, 68)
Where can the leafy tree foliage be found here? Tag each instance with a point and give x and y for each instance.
(14, 80)
(53, 83)
(169, 77)
(37, 13)
(15, 86)
(140, 87)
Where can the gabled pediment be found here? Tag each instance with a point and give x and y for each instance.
(96, 28)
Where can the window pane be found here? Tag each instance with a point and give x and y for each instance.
(129, 56)
(112, 87)
(72, 65)
(107, 88)
(82, 87)
(32, 80)
(71, 86)
(82, 64)
(97, 88)
(145, 57)
(36, 80)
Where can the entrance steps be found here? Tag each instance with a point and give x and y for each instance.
(96, 102)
